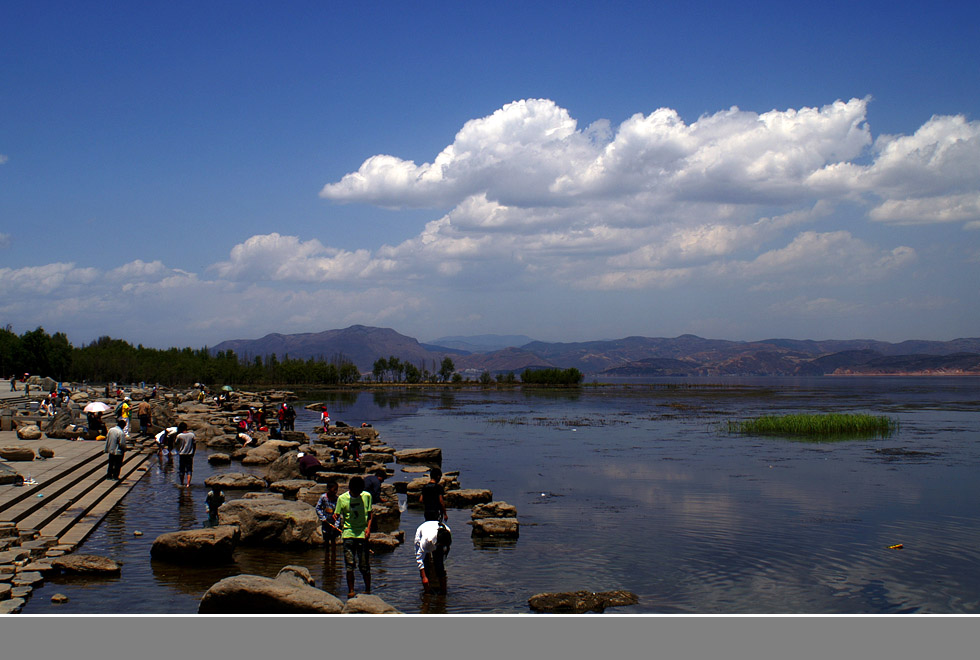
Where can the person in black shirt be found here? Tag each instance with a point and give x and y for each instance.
(433, 505)
(372, 484)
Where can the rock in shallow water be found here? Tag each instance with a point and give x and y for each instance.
(192, 546)
(496, 527)
(578, 602)
(91, 564)
(254, 594)
(275, 521)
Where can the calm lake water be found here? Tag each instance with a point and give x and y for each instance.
(635, 487)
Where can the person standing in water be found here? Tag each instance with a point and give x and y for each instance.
(354, 515)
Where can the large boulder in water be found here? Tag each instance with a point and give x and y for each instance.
(366, 434)
(219, 459)
(311, 495)
(467, 497)
(272, 521)
(162, 414)
(254, 594)
(494, 510)
(227, 441)
(496, 527)
(368, 604)
(425, 455)
(298, 575)
(261, 455)
(383, 542)
(235, 481)
(578, 602)
(283, 467)
(386, 513)
(87, 564)
(289, 487)
(195, 546)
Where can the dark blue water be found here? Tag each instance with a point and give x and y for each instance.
(637, 487)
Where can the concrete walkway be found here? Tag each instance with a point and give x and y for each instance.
(70, 495)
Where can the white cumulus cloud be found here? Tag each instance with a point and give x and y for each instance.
(930, 176)
(286, 258)
(531, 152)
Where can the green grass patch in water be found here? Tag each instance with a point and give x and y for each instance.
(826, 426)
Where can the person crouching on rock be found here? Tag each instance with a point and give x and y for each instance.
(352, 449)
(354, 515)
(433, 538)
(309, 465)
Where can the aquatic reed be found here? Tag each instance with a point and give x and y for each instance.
(817, 426)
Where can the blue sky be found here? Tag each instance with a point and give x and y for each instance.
(182, 174)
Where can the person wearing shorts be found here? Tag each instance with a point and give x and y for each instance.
(354, 518)
(185, 454)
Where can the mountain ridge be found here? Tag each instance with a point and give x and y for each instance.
(685, 355)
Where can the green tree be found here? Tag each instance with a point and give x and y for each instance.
(396, 368)
(349, 373)
(412, 373)
(11, 353)
(446, 369)
(380, 367)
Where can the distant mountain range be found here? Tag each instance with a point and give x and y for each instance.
(687, 355)
(481, 343)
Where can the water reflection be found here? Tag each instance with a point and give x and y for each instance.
(432, 603)
(187, 514)
(193, 580)
(703, 521)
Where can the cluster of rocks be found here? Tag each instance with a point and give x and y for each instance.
(26, 559)
(274, 509)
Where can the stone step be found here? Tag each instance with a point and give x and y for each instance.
(72, 529)
(53, 476)
(83, 482)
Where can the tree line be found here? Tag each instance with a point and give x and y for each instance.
(115, 360)
(396, 370)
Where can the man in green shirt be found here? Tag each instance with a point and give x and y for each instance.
(354, 515)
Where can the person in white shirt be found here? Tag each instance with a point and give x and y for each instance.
(186, 446)
(433, 538)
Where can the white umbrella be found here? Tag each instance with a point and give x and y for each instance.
(96, 407)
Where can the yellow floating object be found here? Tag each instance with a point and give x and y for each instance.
(897, 546)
